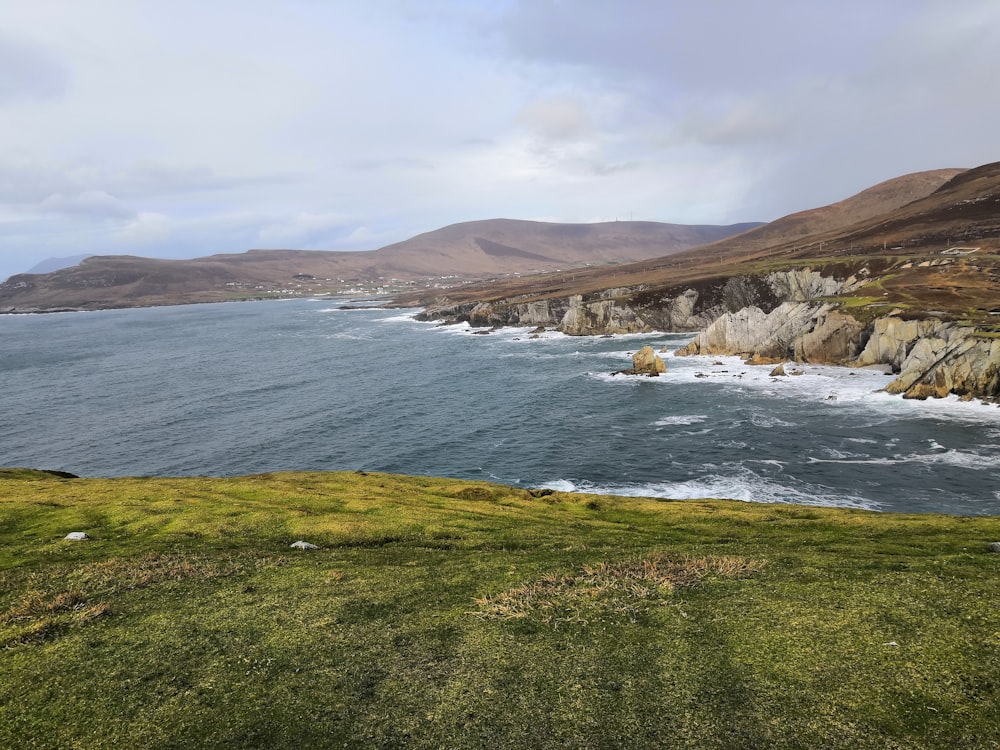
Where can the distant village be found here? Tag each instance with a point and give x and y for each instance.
(306, 285)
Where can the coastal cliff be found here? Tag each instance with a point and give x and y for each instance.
(635, 309)
(777, 317)
(932, 358)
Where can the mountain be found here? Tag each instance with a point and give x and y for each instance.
(810, 233)
(499, 246)
(54, 264)
(904, 276)
(467, 251)
(805, 226)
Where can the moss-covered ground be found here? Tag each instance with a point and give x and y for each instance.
(449, 614)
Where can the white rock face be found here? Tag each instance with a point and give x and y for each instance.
(933, 358)
(833, 338)
(599, 317)
(793, 330)
(802, 285)
(77, 536)
(303, 545)
(892, 339)
(956, 361)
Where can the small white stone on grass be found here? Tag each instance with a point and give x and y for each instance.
(304, 545)
(994, 547)
(77, 536)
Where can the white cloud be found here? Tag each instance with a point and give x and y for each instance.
(189, 128)
(91, 203)
(148, 228)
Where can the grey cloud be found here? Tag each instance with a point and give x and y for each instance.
(29, 72)
(715, 43)
(26, 183)
(554, 118)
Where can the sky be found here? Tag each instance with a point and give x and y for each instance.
(193, 127)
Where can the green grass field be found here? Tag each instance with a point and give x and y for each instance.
(451, 614)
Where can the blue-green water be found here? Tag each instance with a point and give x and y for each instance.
(252, 387)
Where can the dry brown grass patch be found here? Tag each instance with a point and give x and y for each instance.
(40, 615)
(620, 589)
(118, 574)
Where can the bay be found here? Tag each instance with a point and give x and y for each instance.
(242, 388)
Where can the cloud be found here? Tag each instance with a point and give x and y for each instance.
(28, 181)
(148, 228)
(29, 72)
(380, 163)
(554, 119)
(191, 128)
(304, 231)
(90, 203)
(159, 179)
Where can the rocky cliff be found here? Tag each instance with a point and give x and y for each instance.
(768, 319)
(633, 310)
(935, 358)
(932, 358)
(799, 331)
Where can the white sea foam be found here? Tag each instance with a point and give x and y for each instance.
(828, 383)
(349, 336)
(353, 306)
(680, 419)
(409, 317)
(769, 421)
(961, 459)
(743, 485)
(833, 454)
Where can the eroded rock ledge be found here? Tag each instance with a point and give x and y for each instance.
(769, 319)
(930, 357)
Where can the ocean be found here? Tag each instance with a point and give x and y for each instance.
(251, 387)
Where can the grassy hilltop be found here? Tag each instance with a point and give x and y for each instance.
(446, 613)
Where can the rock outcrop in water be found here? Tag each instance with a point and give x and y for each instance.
(645, 362)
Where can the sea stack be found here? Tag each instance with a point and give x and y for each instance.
(645, 362)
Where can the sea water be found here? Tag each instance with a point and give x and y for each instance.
(251, 387)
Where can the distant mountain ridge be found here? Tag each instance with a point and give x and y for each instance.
(499, 258)
(466, 251)
(803, 232)
(54, 264)
(497, 246)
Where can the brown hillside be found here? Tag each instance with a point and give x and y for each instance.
(499, 246)
(473, 250)
(802, 226)
(804, 234)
